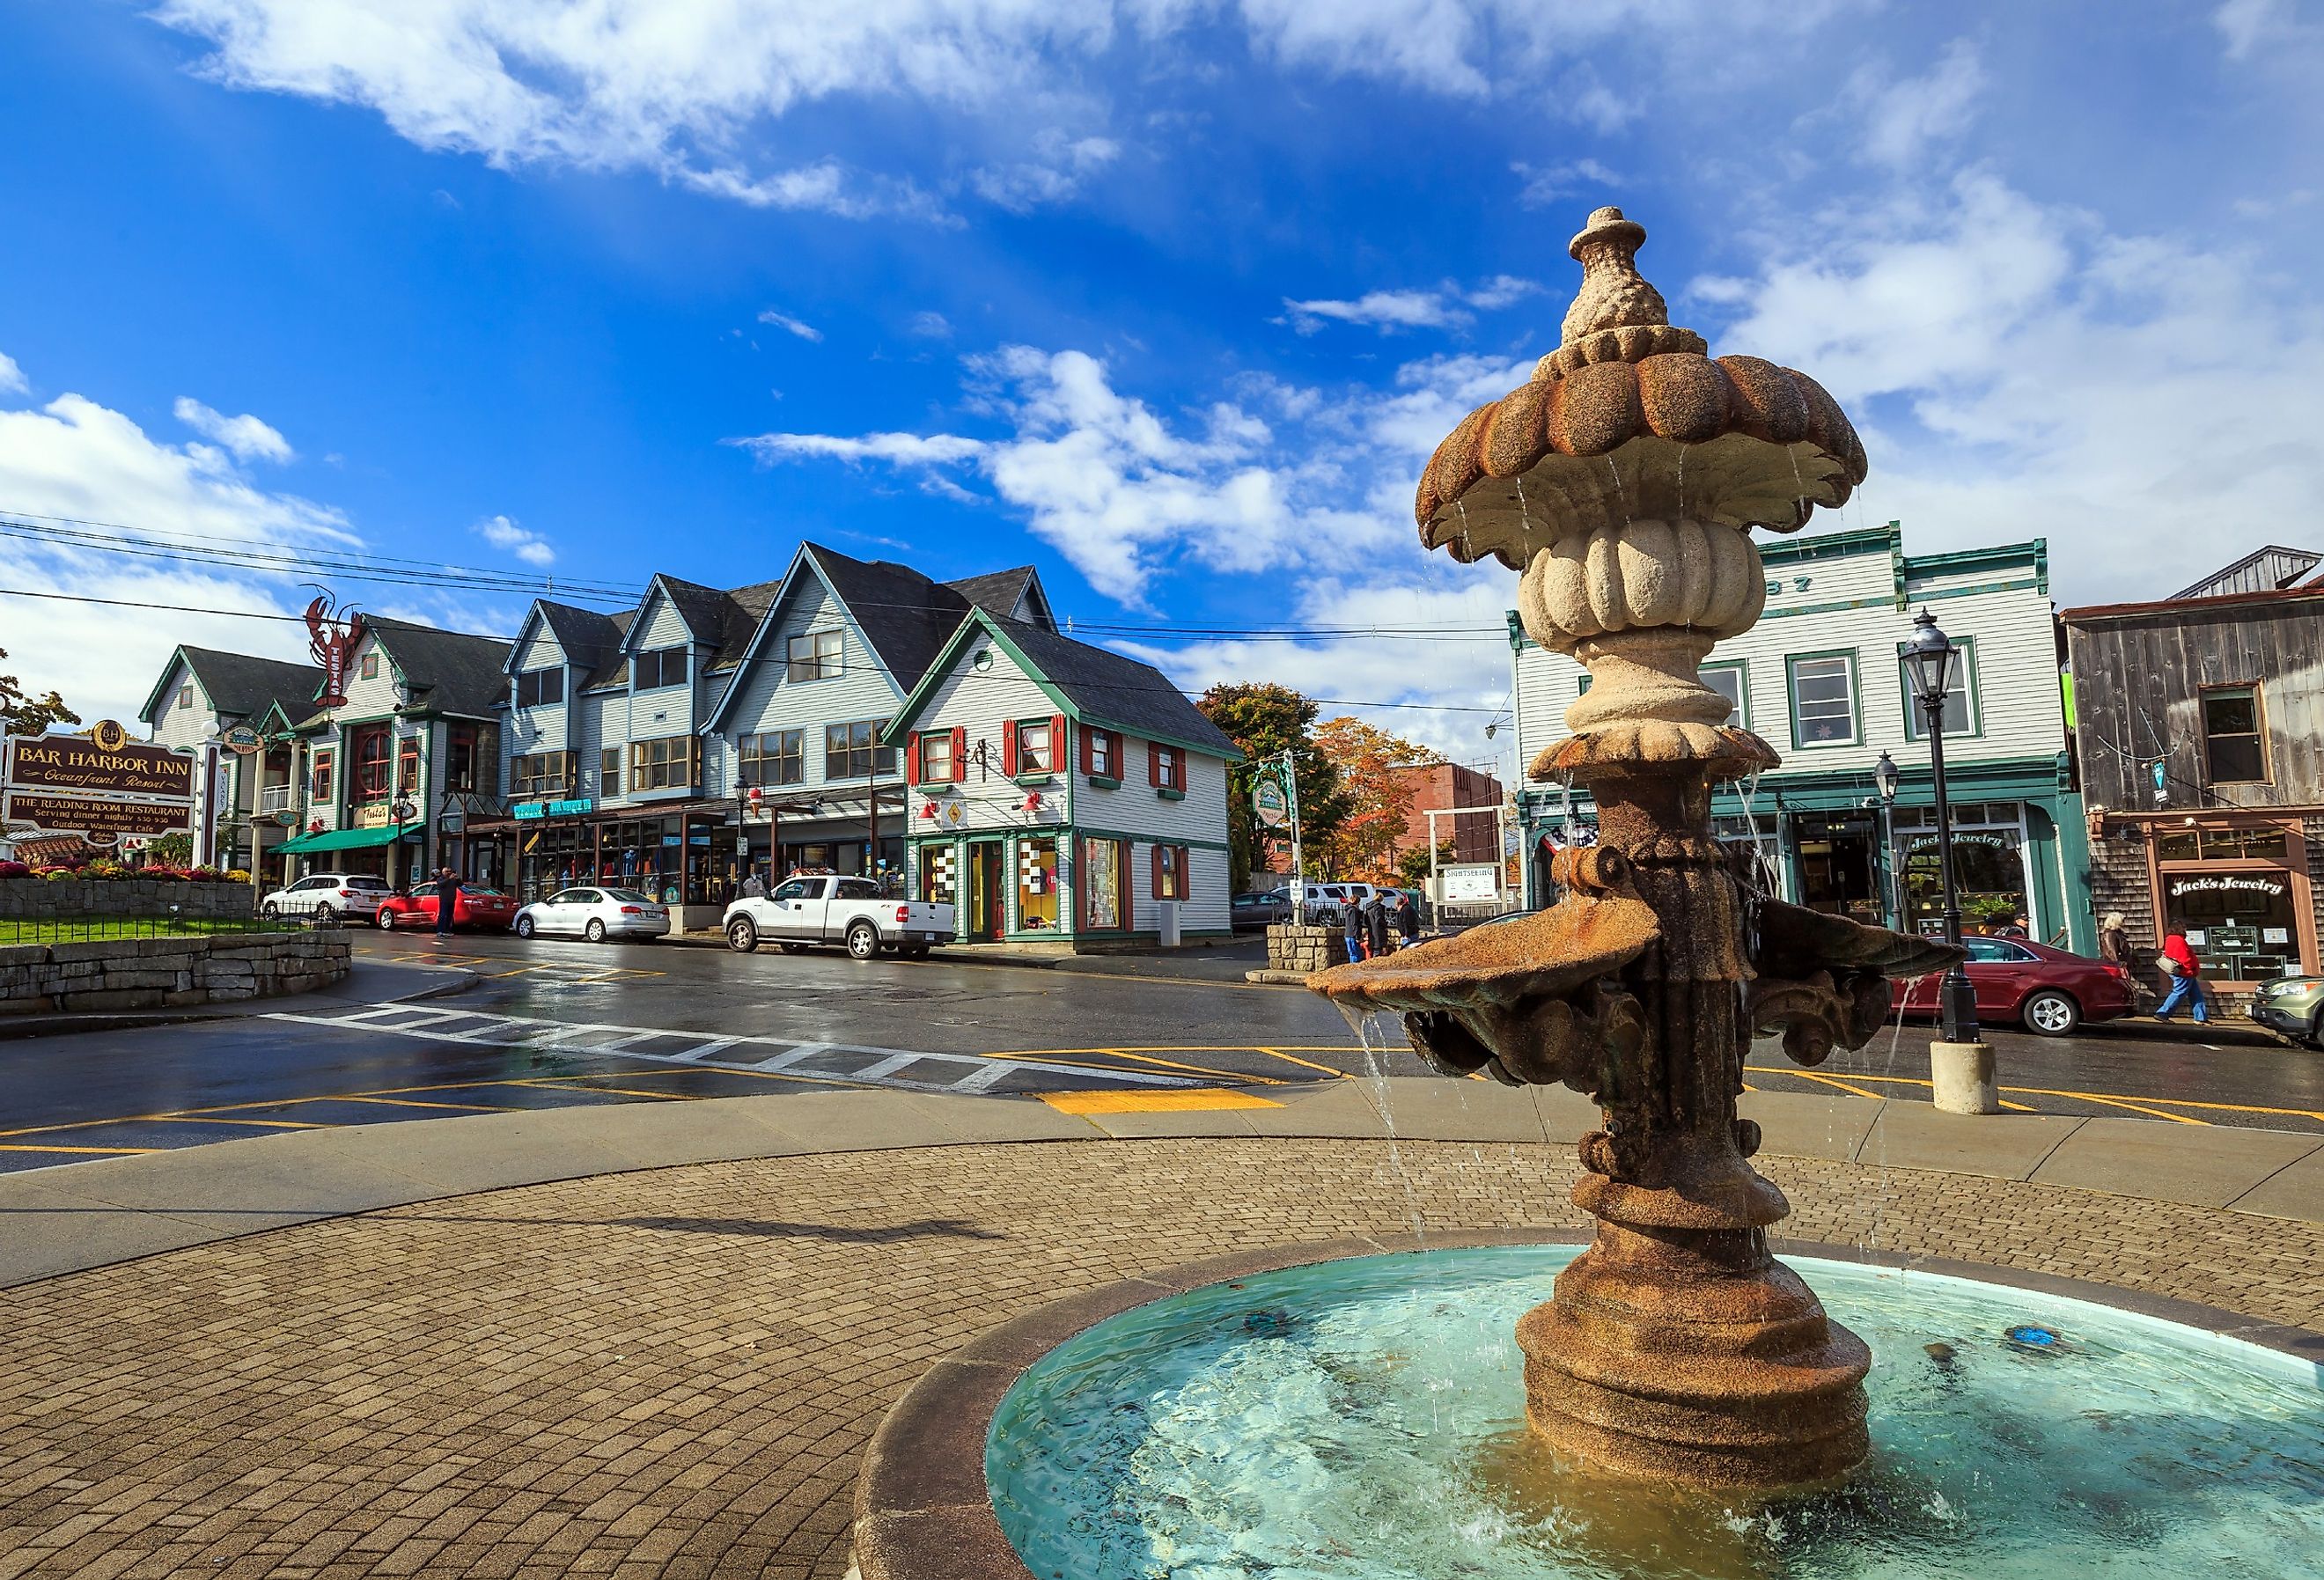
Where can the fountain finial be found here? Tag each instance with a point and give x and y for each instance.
(1613, 294)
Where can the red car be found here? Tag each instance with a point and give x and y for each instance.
(2047, 990)
(472, 907)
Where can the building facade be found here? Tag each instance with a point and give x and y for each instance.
(1470, 835)
(2199, 730)
(245, 805)
(1821, 678)
(1062, 793)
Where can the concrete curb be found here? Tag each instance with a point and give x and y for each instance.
(76, 1216)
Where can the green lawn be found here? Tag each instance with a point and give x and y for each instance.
(74, 930)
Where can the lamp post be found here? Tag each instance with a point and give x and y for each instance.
(1936, 664)
(1884, 779)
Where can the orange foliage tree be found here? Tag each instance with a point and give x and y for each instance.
(1362, 848)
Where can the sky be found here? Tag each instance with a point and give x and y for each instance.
(1171, 299)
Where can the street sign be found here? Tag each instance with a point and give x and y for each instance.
(1267, 799)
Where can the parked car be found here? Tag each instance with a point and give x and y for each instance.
(2047, 990)
(1324, 900)
(2293, 1007)
(1255, 912)
(473, 905)
(595, 914)
(804, 910)
(325, 897)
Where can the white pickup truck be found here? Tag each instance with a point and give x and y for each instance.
(800, 911)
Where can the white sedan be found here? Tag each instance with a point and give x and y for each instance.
(594, 914)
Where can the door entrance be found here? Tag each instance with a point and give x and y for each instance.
(986, 902)
(1836, 867)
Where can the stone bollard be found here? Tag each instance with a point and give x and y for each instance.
(1963, 1077)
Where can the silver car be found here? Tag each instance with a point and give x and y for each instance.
(595, 914)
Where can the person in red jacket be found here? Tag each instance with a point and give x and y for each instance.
(2186, 983)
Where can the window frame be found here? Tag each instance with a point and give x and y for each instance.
(928, 765)
(1025, 768)
(609, 770)
(818, 664)
(1741, 670)
(1173, 871)
(652, 760)
(1104, 753)
(662, 658)
(322, 764)
(873, 747)
(1169, 767)
(2258, 690)
(1085, 890)
(1916, 731)
(759, 757)
(539, 685)
(539, 776)
(365, 768)
(1847, 656)
(407, 766)
(186, 697)
(369, 668)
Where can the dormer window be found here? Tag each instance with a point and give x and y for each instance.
(662, 666)
(371, 665)
(186, 695)
(541, 687)
(815, 656)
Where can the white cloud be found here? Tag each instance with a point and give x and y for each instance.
(527, 545)
(804, 330)
(929, 326)
(2020, 370)
(903, 449)
(2248, 26)
(1902, 118)
(78, 461)
(1544, 185)
(1389, 311)
(1054, 173)
(12, 380)
(249, 439)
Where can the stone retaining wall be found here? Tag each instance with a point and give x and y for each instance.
(43, 898)
(149, 974)
(1293, 947)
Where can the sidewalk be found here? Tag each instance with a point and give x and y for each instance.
(366, 982)
(1208, 961)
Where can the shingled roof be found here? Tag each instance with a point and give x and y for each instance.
(447, 671)
(242, 687)
(905, 618)
(1112, 688)
(590, 638)
(1000, 591)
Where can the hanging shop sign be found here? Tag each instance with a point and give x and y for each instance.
(332, 635)
(529, 811)
(239, 739)
(1267, 800)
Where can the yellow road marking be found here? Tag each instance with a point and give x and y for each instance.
(1829, 1081)
(268, 1123)
(1309, 1063)
(102, 1151)
(1183, 1100)
(415, 1103)
(1143, 1056)
(612, 1091)
(2041, 1092)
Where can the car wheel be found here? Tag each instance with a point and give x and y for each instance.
(325, 917)
(385, 920)
(794, 948)
(862, 941)
(595, 931)
(524, 926)
(742, 935)
(2050, 1013)
(270, 910)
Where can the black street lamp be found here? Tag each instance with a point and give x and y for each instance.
(1936, 664)
(1884, 779)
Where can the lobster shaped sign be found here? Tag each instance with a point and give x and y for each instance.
(333, 635)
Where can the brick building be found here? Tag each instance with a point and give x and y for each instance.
(1474, 836)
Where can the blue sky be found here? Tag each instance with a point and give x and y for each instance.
(1171, 299)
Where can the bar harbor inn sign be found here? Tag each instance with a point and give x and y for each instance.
(101, 786)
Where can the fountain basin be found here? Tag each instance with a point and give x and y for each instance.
(1317, 1412)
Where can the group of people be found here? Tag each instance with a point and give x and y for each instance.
(2177, 962)
(1380, 924)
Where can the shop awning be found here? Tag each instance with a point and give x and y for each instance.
(345, 839)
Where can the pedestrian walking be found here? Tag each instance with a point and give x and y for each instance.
(447, 901)
(2180, 964)
(1408, 919)
(2014, 927)
(2114, 938)
(1376, 932)
(1351, 929)
(754, 887)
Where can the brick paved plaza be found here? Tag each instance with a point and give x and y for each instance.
(672, 1372)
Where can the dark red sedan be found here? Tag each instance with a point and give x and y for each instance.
(473, 906)
(2047, 990)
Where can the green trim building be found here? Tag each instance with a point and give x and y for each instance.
(1820, 678)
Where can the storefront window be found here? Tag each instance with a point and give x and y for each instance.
(938, 883)
(1989, 870)
(1837, 871)
(1037, 884)
(1102, 885)
(2241, 924)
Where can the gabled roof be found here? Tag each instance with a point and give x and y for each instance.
(589, 637)
(1000, 592)
(240, 686)
(448, 671)
(2271, 569)
(904, 615)
(704, 609)
(1093, 685)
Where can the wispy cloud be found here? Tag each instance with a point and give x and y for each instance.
(12, 380)
(1389, 311)
(245, 436)
(804, 330)
(1548, 184)
(1901, 117)
(527, 545)
(929, 326)
(1053, 170)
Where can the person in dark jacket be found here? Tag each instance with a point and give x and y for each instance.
(1351, 928)
(1408, 919)
(1376, 926)
(447, 901)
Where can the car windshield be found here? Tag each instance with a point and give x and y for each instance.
(631, 897)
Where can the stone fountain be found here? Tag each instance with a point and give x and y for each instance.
(1623, 481)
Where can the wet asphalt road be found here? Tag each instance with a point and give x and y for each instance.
(557, 1023)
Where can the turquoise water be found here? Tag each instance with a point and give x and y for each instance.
(1365, 1418)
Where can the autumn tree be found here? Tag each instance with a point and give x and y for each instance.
(1379, 802)
(1265, 720)
(22, 714)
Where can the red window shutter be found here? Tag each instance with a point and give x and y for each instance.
(960, 754)
(912, 759)
(1057, 758)
(1153, 763)
(1154, 864)
(1087, 762)
(1009, 747)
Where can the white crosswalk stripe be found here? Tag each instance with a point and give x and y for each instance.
(844, 1064)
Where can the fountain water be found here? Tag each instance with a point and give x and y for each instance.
(1677, 1347)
